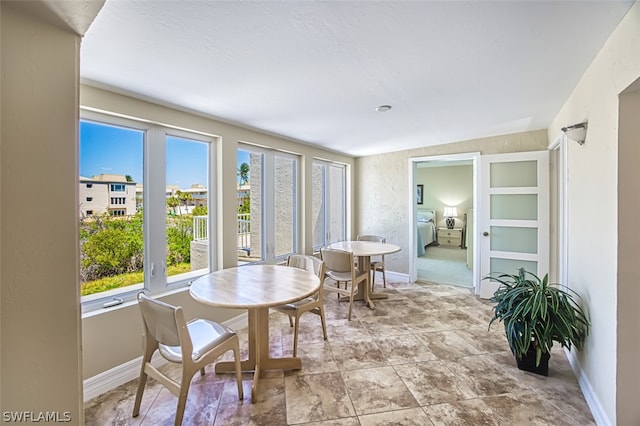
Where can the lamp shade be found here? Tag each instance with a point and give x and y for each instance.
(450, 212)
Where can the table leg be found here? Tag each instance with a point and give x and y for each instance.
(259, 358)
(364, 287)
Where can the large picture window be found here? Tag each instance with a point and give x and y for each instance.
(147, 224)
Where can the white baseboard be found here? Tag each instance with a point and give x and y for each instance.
(395, 276)
(130, 370)
(599, 415)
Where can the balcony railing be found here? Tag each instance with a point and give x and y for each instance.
(244, 230)
(200, 228)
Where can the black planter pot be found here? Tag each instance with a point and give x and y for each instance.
(528, 363)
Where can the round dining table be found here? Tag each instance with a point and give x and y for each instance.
(256, 288)
(364, 250)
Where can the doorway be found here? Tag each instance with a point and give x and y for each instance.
(447, 181)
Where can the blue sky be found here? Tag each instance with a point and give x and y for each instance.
(118, 150)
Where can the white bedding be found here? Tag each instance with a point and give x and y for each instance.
(426, 229)
(426, 232)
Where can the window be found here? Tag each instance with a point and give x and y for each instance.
(328, 203)
(118, 200)
(134, 237)
(187, 205)
(267, 190)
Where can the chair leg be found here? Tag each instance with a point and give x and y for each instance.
(146, 357)
(182, 398)
(202, 372)
(324, 324)
(384, 278)
(141, 384)
(290, 321)
(353, 286)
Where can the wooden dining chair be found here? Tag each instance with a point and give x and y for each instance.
(339, 266)
(377, 262)
(193, 344)
(313, 304)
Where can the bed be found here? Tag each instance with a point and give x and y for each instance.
(426, 229)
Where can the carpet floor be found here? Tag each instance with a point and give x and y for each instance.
(445, 265)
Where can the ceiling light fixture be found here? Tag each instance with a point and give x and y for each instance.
(383, 108)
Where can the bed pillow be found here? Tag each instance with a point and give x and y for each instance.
(425, 216)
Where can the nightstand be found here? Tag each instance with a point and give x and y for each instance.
(450, 237)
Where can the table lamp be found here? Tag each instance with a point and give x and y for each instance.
(450, 213)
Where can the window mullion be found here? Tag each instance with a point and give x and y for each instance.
(155, 210)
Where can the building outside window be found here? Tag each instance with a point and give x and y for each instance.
(138, 234)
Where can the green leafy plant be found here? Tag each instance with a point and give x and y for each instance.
(536, 313)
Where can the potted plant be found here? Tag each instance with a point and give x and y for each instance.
(535, 314)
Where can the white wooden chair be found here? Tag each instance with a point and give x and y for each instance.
(313, 304)
(340, 267)
(194, 345)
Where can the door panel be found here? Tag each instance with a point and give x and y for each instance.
(514, 217)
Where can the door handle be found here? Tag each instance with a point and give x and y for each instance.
(485, 234)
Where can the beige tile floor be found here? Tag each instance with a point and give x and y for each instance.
(422, 357)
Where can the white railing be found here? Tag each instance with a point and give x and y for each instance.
(244, 230)
(200, 229)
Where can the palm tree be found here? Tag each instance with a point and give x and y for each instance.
(173, 202)
(184, 197)
(243, 172)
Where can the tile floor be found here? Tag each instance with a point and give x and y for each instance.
(422, 357)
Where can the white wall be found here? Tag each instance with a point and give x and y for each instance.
(593, 246)
(40, 285)
(447, 186)
(382, 190)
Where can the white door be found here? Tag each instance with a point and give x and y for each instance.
(513, 217)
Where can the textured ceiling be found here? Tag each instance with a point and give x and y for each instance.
(315, 71)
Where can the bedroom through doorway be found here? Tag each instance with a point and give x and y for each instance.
(444, 220)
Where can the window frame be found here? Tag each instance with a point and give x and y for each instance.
(267, 180)
(156, 281)
(326, 197)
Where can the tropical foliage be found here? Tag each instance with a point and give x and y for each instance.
(112, 250)
(536, 313)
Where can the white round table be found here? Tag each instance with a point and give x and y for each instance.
(364, 250)
(256, 288)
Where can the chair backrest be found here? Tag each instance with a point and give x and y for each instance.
(376, 238)
(161, 319)
(337, 260)
(308, 263)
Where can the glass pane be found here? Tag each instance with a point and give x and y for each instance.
(250, 206)
(336, 203)
(110, 194)
(187, 205)
(518, 240)
(285, 205)
(514, 174)
(514, 206)
(317, 201)
(511, 266)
